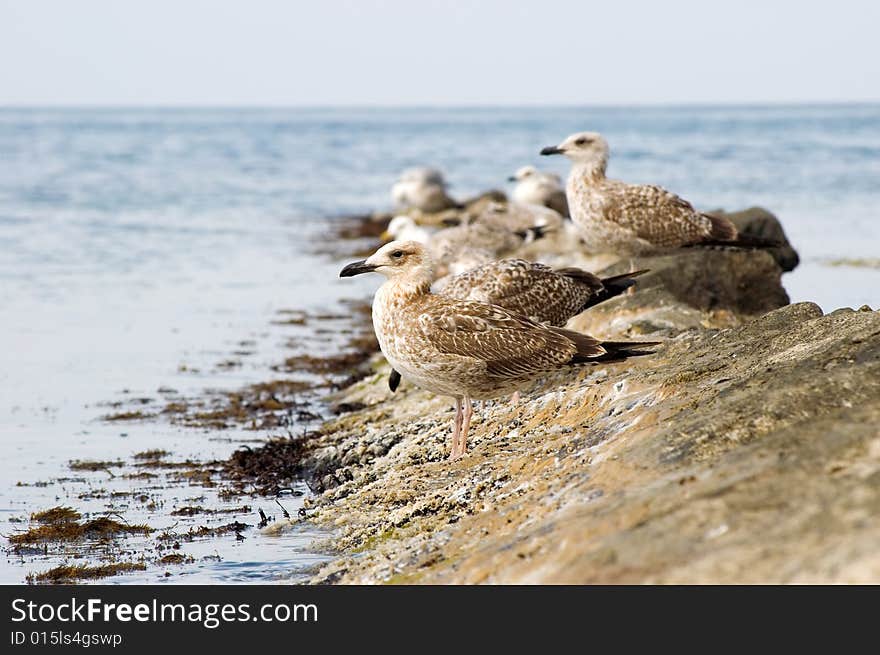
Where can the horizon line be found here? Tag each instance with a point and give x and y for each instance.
(408, 106)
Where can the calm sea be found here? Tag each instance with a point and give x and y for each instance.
(138, 245)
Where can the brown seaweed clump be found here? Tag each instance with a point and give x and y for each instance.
(191, 510)
(203, 531)
(258, 406)
(153, 453)
(93, 465)
(135, 415)
(59, 524)
(56, 514)
(269, 468)
(66, 573)
(176, 558)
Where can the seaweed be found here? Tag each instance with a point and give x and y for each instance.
(134, 415)
(69, 573)
(190, 510)
(269, 468)
(154, 453)
(259, 406)
(176, 558)
(67, 529)
(92, 465)
(56, 514)
(203, 531)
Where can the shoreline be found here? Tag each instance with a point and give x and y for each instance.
(633, 472)
(676, 468)
(177, 468)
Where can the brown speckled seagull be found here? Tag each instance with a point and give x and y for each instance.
(635, 219)
(535, 290)
(459, 248)
(461, 348)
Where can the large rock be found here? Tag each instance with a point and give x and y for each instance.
(745, 449)
(757, 221)
(749, 454)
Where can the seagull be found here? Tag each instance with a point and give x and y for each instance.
(534, 187)
(423, 189)
(534, 290)
(424, 174)
(466, 349)
(404, 228)
(460, 248)
(534, 220)
(635, 219)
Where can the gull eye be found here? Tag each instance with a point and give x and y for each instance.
(581, 142)
(397, 254)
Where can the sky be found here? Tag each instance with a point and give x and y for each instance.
(427, 52)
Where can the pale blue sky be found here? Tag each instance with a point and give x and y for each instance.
(397, 52)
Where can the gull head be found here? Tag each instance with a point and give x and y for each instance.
(423, 175)
(523, 173)
(397, 226)
(582, 148)
(397, 259)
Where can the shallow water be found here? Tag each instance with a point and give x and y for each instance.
(139, 248)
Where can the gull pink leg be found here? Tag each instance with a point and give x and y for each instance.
(468, 411)
(456, 431)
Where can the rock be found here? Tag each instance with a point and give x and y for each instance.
(682, 291)
(747, 454)
(745, 449)
(757, 221)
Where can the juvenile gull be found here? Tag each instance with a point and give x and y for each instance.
(423, 189)
(404, 228)
(426, 174)
(534, 187)
(461, 348)
(516, 217)
(497, 230)
(635, 219)
(533, 290)
(459, 248)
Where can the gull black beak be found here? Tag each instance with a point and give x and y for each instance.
(511, 179)
(552, 150)
(356, 268)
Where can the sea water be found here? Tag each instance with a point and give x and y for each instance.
(138, 246)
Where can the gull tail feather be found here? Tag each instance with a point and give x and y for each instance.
(616, 351)
(725, 235)
(614, 286)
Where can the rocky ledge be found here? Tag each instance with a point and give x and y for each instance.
(746, 449)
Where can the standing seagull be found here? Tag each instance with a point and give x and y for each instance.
(459, 248)
(423, 189)
(536, 188)
(533, 290)
(635, 219)
(465, 349)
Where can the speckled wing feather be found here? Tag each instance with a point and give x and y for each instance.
(655, 215)
(446, 244)
(509, 345)
(527, 288)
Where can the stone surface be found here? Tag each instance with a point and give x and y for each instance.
(748, 454)
(757, 221)
(746, 449)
